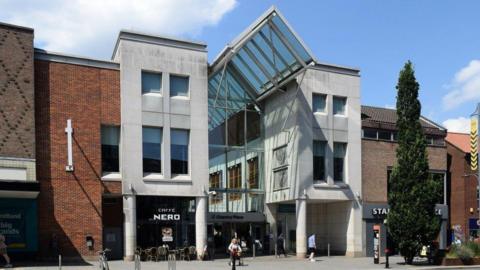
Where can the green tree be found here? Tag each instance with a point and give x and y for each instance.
(413, 193)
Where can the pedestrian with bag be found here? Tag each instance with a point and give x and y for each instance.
(235, 252)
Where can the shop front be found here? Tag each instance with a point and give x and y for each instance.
(165, 221)
(18, 217)
(249, 228)
(374, 216)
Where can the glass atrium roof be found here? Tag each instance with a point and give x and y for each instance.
(266, 56)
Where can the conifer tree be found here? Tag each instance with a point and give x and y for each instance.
(413, 193)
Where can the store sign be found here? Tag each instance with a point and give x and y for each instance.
(12, 226)
(166, 214)
(383, 211)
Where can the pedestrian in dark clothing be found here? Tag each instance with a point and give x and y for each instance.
(281, 245)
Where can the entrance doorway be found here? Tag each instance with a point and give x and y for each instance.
(248, 233)
(112, 220)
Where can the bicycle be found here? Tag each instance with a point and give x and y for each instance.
(102, 260)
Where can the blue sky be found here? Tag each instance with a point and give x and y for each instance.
(441, 38)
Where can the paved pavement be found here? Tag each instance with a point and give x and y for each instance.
(270, 262)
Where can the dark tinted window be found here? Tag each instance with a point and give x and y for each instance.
(110, 140)
(179, 151)
(152, 149)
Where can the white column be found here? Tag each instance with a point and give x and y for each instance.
(301, 211)
(201, 224)
(130, 212)
(271, 217)
(354, 230)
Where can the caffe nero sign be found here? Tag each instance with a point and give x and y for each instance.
(166, 214)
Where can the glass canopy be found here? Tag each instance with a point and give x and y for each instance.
(263, 58)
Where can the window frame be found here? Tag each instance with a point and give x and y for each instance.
(145, 173)
(106, 173)
(325, 109)
(151, 72)
(344, 167)
(188, 153)
(325, 144)
(345, 106)
(170, 85)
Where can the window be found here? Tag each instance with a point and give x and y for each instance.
(370, 133)
(339, 105)
(178, 86)
(280, 157)
(339, 151)
(151, 82)
(280, 179)
(319, 160)
(384, 135)
(215, 183)
(319, 103)
(253, 173)
(152, 149)
(110, 141)
(179, 151)
(235, 181)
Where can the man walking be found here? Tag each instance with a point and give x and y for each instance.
(281, 245)
(312, 247)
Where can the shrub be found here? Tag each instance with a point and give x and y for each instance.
(465, 254)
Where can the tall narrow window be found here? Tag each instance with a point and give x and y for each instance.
(216, 183)
(319, 103)
(179, 151)
(253, 173)
(319, 160)
(235, 181)
(339, 151)
(110, 140)
(339, 104)
(178, 86)
(151, 82)
(152, 149)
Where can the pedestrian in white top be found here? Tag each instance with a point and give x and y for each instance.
(235, 252)
(3, 251)
(312, 246)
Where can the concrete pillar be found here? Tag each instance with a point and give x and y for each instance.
(201, 224)
(301, 211)
(354, 230)
(271, 217)
(130, 212)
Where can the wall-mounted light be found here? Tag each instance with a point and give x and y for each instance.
(89, 240)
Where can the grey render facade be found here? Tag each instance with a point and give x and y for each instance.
(262, 142)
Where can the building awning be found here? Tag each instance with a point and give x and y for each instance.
(19, 189)
(263, 58)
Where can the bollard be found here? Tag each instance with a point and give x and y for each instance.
(137, 262)
(59, 262)
(253, 250)
(328, 250)
(172, 262)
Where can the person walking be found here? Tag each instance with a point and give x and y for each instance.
(312, 246)
(3, 251)
(235, 251)
(281, 245)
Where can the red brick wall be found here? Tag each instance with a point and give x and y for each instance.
(70, 203)
(378, 156)
(462, 189)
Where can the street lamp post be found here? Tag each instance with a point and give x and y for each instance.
(387, 251)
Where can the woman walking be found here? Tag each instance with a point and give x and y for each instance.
(3, 251)
(235, 251)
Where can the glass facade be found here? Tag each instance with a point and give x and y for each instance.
(235, 147)
(268, 56)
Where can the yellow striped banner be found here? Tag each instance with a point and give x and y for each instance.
(474, 144)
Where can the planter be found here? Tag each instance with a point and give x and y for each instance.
(457, 261)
